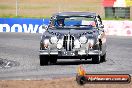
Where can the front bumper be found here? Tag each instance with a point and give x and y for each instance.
(70, 53)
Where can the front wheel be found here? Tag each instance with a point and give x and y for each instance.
(53, 60)
(44, 59)
(103, 58)
(96, 59)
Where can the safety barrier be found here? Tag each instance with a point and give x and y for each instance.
(32, 25)
(119, 28)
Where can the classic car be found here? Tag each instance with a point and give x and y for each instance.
(73, 35)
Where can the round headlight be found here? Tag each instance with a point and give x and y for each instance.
(59, 46)
(46, 41)
(83, 39)
(76, 44)
(91, 42)
(54, 39)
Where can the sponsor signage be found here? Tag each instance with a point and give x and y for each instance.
(83, 78)
(26, 25)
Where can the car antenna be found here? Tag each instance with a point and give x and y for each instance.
(43, 23)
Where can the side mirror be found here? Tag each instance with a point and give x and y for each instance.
(101, 26)
(45, 27)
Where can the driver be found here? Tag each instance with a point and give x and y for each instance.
(93, 24)
(60, 22)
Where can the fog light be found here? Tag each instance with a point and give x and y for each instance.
(83, 39)
(59, 46)
(45, 45)
(76, 44)
(90, 43)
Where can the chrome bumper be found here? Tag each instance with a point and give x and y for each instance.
(70, 53)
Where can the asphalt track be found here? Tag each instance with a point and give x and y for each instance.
(22, 49)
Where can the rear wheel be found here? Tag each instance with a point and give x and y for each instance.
(96, 59)
(44, 59)
(103, 58)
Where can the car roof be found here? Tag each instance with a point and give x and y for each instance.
(75, 14)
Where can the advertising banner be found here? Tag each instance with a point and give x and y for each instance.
(27, 25)
(119, 28)
(32, 25)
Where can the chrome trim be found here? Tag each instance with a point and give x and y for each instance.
(43, 52)
(70, 42)
(68, 47)
(82, 52)
(54, 53)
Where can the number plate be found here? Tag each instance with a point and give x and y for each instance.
(67, 53)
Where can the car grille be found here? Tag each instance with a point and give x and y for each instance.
(68, 42)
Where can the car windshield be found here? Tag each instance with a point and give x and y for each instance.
(74, 22)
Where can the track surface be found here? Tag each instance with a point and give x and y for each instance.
(23, 49)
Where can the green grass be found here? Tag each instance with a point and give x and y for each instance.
(13, 16)
(41, 9)
(35, 7)
(118, 19)
(29, 9)
(21, 16)
(4, 7)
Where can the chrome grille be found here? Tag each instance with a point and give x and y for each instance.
(68, 42)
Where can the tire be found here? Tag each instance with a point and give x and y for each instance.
(96, 59)
(53, 60)
(43, 60)
(103, 58)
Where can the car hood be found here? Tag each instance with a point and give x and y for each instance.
(74, 32)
